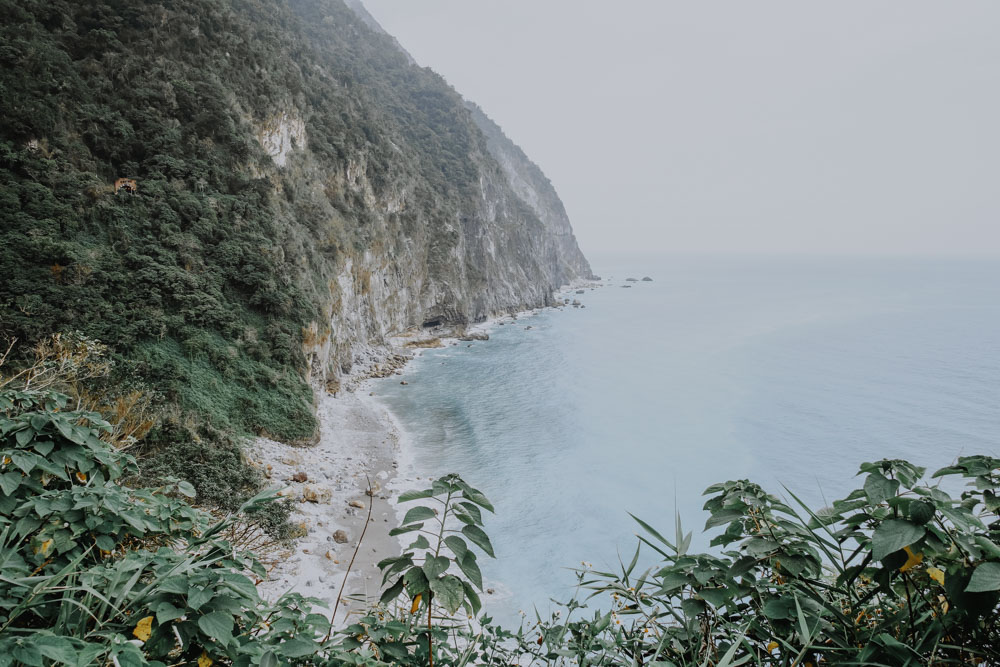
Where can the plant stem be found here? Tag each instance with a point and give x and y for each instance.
(430, 646)
(336, 605)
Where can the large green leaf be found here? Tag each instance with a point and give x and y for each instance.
(479, 537)
(448, 592)
(24, 436)
(9, 482)
(477, 497)
(406, 529)
(420, 543)
(879, 488)
(892, 535)
(467, 563)
(435, 566)
(298, 648)
(415, 581)
(418, 514)
(415, 495)
(392, 592)
(457, 546)
(58, 649)
(985, 578)
(470, 595)
(218, 625)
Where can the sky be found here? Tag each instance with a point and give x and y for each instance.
(730, 126)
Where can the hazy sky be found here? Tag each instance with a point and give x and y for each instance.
(740, 126)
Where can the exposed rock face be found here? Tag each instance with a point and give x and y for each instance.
(534, 188)
(280, 135)
(505, 245)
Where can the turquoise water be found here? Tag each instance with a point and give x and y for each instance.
(782, 371)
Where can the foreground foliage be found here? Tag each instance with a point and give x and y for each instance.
(96, 572)
(899, 572)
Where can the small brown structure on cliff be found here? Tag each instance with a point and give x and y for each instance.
(129, 185)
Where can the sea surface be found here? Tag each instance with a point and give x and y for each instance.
(786, 372)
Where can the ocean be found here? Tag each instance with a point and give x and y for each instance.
(788, 372)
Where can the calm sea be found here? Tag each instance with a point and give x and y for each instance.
(781, 371)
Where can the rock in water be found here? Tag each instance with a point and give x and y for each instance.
(647, 279)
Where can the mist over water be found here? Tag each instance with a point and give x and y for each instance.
(784, 371)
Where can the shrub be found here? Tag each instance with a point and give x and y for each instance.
(897, 573)
(95, 572)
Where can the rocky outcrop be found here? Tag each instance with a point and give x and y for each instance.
(504, 245)
(535, 189)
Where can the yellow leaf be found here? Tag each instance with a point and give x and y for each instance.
(6, 460)
(772, 646)
(416, 605)
(936, 574)
(204, 660)
(82, 476)
(143, 629)
(912, 559)
(44, 547)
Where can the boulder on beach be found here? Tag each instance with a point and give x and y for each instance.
(647, 279)
(631, 280)
(340, 537)
(311, 494)
(579, 291)
(300, 477)
(357, 503)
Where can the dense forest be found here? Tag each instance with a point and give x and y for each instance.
(212, 279)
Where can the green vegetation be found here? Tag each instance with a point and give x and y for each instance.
(95, 572)
(205, 279)
(202, 283)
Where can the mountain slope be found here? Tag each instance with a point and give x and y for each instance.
(303, 191)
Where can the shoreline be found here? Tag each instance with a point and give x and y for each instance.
(359, 436)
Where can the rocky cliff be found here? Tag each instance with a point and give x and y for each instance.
(304, 191)
(535, 189)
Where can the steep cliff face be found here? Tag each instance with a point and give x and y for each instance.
(305, 191)
(534, 188)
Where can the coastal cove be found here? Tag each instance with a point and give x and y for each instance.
(781, 371)
(305, 359)
(361, 462)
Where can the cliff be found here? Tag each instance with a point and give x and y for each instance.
(304, 190)
(534, 188)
